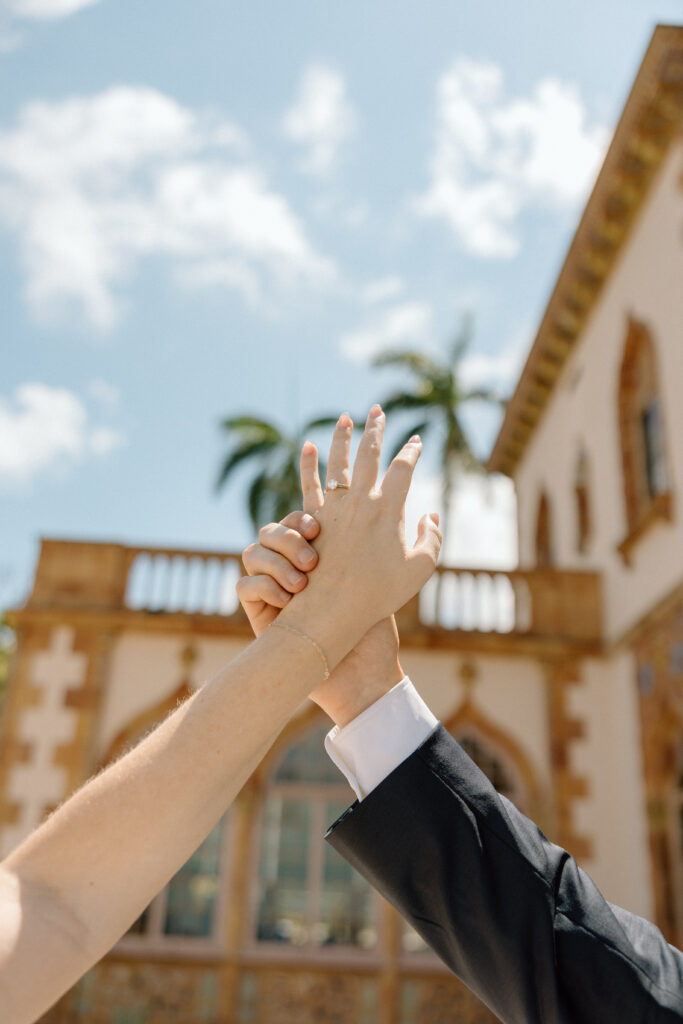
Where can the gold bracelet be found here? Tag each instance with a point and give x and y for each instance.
(310, 640)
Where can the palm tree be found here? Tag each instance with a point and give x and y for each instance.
(439, 397)
(275, 490)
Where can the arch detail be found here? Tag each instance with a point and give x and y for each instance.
(470, 721)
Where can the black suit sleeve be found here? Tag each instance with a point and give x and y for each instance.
(510, 913)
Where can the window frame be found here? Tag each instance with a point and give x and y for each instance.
(317, 794)
(638, 392)
(154, 942)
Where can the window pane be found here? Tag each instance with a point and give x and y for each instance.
(284, 901)
(139, 927)
(345, 916)
(193, 890)
(654, 460)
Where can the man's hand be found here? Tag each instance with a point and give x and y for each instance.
(278, 566)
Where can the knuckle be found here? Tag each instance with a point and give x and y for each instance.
(265, 531)
(249, 552)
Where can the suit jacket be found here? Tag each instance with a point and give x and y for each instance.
(510, 913)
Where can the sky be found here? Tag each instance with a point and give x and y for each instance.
(210, 208)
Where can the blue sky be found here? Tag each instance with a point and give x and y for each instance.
(209, 208)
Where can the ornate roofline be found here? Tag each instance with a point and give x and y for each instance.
(652, 117)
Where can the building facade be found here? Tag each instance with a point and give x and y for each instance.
(563, 679)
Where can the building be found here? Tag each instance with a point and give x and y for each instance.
(564, 678)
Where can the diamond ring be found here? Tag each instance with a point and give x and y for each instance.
(333, 485)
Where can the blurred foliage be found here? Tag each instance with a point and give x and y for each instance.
(436, 400)
(275, 490)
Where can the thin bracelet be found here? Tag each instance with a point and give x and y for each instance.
(310, 640)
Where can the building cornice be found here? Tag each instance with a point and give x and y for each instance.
(652, 118)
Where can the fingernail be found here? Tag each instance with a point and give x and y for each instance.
(308, 448)
(415, 439)
(285, 595)
(375, 412)
(307, 521)
(294, 577)
(307, 556)
(344, 421)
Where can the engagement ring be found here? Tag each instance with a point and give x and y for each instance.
(333, 485)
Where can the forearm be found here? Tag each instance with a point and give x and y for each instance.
(510, 913)
(96, 863)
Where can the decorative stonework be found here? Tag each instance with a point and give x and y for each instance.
(645, 501)
(470, 722)
(142, 993)
(440, 1001)
(307, 997)
(650, 122)
(658, 651)
(37, 782)
(568, 785)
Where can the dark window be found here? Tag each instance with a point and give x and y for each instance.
(654, 455)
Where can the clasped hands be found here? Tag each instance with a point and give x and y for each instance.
(360, 562)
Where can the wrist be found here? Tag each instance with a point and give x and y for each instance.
(345, 698)
(334, 627)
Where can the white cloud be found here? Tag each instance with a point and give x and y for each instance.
(47, 9)
(382, 289)
(106, 394)
(495, 156)
(320, 119)
(217, 273)
(104, 440)
(482, 369)
(41, 427)
(408, 324)
(483, 529)
(93, 184)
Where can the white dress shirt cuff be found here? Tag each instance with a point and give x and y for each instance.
(381, 737)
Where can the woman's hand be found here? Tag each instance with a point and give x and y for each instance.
(365, 569)
(277, 568)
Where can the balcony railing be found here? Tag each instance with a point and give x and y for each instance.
(537, 602)
(196, 582)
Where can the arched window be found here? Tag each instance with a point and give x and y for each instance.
(544, 547)
(641, 427)
(188, 911)
(186, 908)
(307, 895)
(583, 510)
(493, 767)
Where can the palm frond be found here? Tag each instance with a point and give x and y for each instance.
(462, 340)
(402, 400)
(417, 363)
(331, 421)
(458, 447)
(257, 493)
(482, 395)
(251, 426)
(239, 455)
(419, 428)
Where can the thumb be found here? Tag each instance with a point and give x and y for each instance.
(428, 537)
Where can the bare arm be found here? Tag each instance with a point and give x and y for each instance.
(74, 886)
